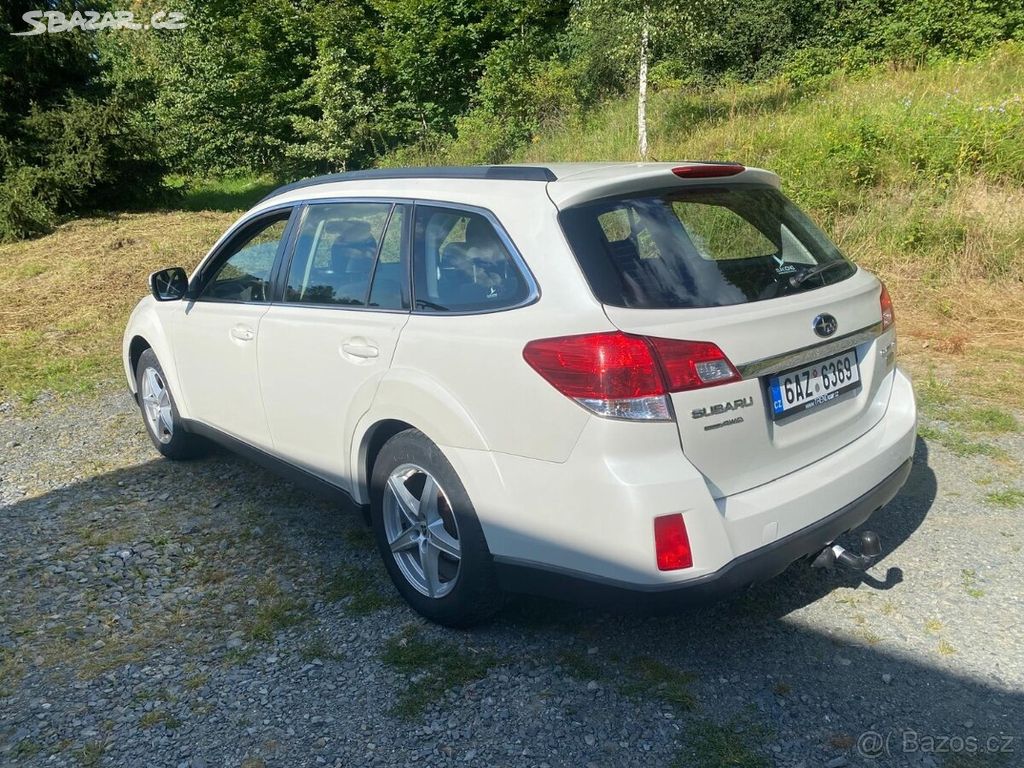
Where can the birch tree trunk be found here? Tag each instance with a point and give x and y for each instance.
(641, 104)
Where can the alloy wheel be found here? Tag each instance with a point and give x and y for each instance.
(156, 404)
(421, 530)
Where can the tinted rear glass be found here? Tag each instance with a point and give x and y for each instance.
(700, 248)
(460, 264)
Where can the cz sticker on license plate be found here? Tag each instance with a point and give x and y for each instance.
(813, 385)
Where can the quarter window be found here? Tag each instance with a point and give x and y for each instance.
(460, 264)
(335, 253)
(244, 275)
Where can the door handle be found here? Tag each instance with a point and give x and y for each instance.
(366, 351)
(243, 333)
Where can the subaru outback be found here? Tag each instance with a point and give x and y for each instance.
(643, 383)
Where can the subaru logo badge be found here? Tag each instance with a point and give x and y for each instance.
(824, 324)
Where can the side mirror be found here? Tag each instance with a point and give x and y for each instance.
(169, 284)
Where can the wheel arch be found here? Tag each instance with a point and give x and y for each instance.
(136, 347)
(408, 401)
(145, 330)
(373, 440)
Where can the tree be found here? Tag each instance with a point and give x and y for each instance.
(641, 100)
(72, 134)
(233, 86)
(343, 93)
(620, 39)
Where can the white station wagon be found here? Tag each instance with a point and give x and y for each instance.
(648, 383)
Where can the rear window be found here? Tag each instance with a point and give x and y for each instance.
(706, 247)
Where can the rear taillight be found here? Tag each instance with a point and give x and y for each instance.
(692, 364)
(708, 170)
(627, 377)
(888, 313)
(671, 544)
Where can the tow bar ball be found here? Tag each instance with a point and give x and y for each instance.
(870, 545)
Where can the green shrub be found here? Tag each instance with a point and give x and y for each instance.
(23, 212)
(76, 156)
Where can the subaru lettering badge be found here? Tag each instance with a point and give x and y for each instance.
(825, 325)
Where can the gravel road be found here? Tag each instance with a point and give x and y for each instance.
(209, 614)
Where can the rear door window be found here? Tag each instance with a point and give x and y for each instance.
(335, 253)
(461, 264)
(700, 248)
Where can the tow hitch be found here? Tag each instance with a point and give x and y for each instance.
(871, 547)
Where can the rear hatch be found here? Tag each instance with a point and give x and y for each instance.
(737, 264)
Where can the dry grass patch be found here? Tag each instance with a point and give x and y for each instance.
(66, 296)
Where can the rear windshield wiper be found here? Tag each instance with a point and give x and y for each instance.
(807, 274)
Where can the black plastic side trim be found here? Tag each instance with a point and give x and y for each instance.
(301, 477)
(494, 172)
(746, 570)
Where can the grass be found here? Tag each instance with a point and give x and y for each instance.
(969, 579)
(710, 745)
(580, 665)
(11, 672)
(958, 443)
(639, 676)
(195, 682)
(649, 677)
(276, 614)
(27, 748)
(433, 667)
(237, 657)
(276, 611)
(158, 717)
(319, 650)
(66, 297)
(232, 193)
(90, 754)
(360, 588)
(1011, 498)
(937, 400)
(870, 637)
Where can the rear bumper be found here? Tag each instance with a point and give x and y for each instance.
(592, 515)
(753, 567)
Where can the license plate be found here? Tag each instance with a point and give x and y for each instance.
(813, 385)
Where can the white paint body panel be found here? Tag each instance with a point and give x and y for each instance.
(314, 391)
(554, 486)
(592, 514)
(758, 449)
(215, 343)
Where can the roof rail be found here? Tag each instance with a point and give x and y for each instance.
(502, 172)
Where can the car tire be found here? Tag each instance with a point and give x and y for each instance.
(160, 413)
(419, 535)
